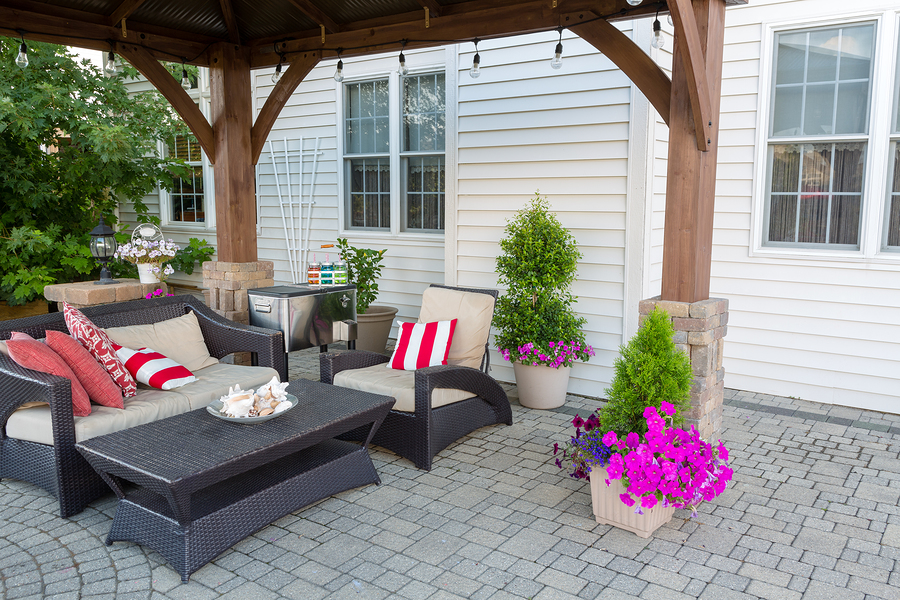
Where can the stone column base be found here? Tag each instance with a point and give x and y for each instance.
(700, 329)
(228, 283)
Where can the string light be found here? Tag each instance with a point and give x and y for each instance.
(403, 70)
(556, 63)
(658, 40)
(185, 80)
(339, 72)
(22, 58)
(669, 19)
(277, 74)
(109, 68)
(475, 71)
(634, 2)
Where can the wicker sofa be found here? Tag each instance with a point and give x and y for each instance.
(56, 465)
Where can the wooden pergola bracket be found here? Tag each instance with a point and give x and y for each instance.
(633, 61)
(299, 68)
(169, 87)
(694, 67)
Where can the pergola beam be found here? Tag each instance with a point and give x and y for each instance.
(123, 11)
(169, 87)
(433, 7)
(234, 35)
(693, 62)
(281, 93)
(633, 61)
(314, 12)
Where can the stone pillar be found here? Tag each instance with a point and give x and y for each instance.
(88, 293)
(228, 283)
(700, 329)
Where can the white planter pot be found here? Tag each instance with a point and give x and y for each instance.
(146, 274)
(610, 510)
(541, 386)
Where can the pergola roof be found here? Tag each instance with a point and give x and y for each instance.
(177, 30)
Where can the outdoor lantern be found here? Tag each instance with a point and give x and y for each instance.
(103, 246)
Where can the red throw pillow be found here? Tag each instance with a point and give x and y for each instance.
(422, 345)
(32, 354)
(152, 368)
(96, 381)
(100, 346)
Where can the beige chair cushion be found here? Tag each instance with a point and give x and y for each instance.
(394, 382)
(149, 405)
(179, 339)
(474, 312)
(213, 382)
(34, 424)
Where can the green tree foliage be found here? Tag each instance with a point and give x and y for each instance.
(73, 143)
(537, 265)
(649, 369)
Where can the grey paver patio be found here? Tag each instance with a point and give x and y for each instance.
(812, 514)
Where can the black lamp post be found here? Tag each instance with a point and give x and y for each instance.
(103, 246)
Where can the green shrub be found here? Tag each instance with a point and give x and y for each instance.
(649, 369)
(363, 269)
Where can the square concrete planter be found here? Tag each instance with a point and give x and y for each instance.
(610, 510)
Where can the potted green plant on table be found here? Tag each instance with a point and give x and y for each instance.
(537, 329)
(373, 321)
(640, 464)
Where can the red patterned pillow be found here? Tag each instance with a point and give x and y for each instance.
(422, 345)
(96, 381)
(99, 345)
(152, 368)
(32, 354)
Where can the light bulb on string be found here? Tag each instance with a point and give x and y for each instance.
(277, 74)
(339, 72)
(670, 21)
(658, 40)
(634, 2)
(403, 69)
(556, 63)
(22, 58)
(185, 80)
(109, 67)
(475, 71)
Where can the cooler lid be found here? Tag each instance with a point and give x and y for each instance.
(291, 291)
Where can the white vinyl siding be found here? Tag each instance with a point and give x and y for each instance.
(525, 127)
(813, 325)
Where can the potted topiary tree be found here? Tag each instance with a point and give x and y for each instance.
(373, 321)
(537, 329)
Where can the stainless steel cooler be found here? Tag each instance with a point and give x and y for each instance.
(307, 315)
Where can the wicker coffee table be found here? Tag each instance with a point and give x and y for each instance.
(205, 484)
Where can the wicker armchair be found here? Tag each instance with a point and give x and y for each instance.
(60, 469)
(421, 433)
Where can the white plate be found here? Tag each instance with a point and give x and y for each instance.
(215, 406)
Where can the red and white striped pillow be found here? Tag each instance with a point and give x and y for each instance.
(152, 368)
(422, 345)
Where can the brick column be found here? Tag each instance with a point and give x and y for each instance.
(87, 293)
(228, 283)
(700, 329)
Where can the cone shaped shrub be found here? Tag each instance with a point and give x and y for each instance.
(648, 371)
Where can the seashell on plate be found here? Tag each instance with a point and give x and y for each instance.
(268, 399)
(282, 406)
(274, 390)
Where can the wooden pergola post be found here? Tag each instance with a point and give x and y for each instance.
(231, 116)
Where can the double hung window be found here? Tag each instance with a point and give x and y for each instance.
(372, 154)
(187, 200)
(818, 136)
(892, 219)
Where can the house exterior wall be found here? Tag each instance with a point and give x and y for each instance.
(813, 324)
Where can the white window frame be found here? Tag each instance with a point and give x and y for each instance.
(201, 96)
(873, 207)
(892, 138)
(355, 72)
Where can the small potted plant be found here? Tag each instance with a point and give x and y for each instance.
(373, 321)
(641, 466)
(537, 328)
(151, 258)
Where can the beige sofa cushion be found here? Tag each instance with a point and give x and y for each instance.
(394, 382)
(474, 312)
(213, 382)
(34, 424)
(179, 339)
